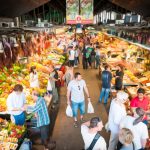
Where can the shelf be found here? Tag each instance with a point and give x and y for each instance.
(137, 44)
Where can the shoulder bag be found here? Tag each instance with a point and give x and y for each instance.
(97, 136)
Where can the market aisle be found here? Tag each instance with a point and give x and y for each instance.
(66, 136)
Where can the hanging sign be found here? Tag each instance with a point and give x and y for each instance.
(86, 7)
(72, 10)
(78, 19)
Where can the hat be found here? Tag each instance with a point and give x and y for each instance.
(122, 96)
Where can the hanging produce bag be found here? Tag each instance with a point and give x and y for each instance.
(69, 111)
(90, 109)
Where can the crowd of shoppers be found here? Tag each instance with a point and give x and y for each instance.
(127, 132)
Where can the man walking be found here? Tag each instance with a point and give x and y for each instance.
(90, 132)
(106, 83)
(75, 96)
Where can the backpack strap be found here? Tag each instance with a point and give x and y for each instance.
(97, 136)
(133, 146)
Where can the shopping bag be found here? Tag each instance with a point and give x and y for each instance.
(69, 111)
(26, 145)
(107, 127)
(90, 109)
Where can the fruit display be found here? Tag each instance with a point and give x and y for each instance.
(131, 76)
(19, 74)
(10, 135)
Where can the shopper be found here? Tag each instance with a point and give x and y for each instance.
(53, 78)
(84, 59)
(71, 56)
(119, 78)
(116, 113)
(15, 103)
(76, 55)
(97, 57)
(75, 96)
(90, 132)
(93, 54)
(68, 76)
(126, 140)
(34, 82)
(106, 84)
(43, 120)
(138, 128)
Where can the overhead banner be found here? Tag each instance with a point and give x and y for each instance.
(72, 10)
(86, 8)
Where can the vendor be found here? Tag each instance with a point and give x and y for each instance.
(140, 101)
(34, 82)
(15, 103)
(43, 120)
(119, 78)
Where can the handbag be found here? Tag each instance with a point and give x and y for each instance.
(97, 136)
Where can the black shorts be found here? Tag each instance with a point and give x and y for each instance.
(71, 63)
(44, 131)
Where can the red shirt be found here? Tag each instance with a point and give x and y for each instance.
(135, 102)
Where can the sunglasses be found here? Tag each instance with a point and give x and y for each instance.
(78, 87)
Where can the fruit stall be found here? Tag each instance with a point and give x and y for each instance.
(11, 135)
(134, 58)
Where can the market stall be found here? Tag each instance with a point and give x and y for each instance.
(133, 58)
(11, 136)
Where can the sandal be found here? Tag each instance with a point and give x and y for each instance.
(76, 124)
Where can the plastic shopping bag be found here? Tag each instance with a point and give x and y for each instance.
(90, 109)
(107, 127)
(69, 111)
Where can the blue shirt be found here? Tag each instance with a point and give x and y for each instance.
(106, 79)
(41, 109)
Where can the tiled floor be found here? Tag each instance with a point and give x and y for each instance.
(66, 136)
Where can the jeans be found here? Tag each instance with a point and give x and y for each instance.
(97, 58)
(55, 95)
(105, 94)
(76, 60)
(76, 106)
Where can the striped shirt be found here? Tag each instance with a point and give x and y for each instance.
(42, 112)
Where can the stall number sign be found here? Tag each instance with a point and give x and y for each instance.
(78, 19)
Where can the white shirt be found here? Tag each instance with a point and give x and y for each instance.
(15, 101)
(88, 138)
(71, 55)
(116, 113)
(77, 90)
(34, 82)
(97, 53)
(76, 53)
(139, 131)
(49, 86)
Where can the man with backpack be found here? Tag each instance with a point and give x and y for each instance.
(90, 133)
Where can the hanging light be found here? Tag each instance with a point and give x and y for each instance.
(23, 39)
(1, 47)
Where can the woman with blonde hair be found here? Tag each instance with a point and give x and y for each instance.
(126, 140)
